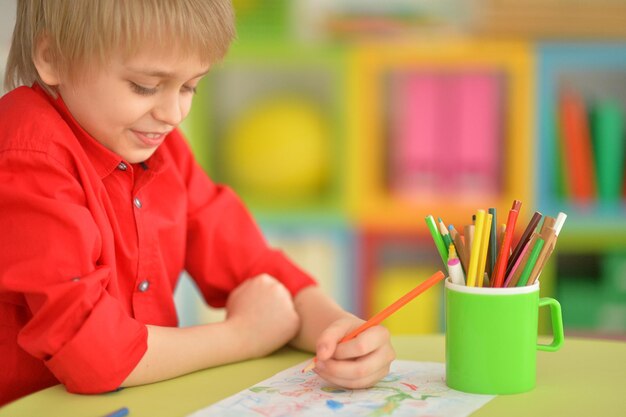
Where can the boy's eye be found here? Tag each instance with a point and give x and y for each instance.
(189, 89)
(144, 91)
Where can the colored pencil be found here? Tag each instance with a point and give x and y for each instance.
(530, 228)
(530, 264)
(498, 275)
(560, 220)
(439, 243)
(388, 311)
(484, 247)
(118, 413)
(445, 235)
(493, 241)
(548, 221)
(459, 245)
(516, 272)
(455, 268)
(472, 275)
(549, 237)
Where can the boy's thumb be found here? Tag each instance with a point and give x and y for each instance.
(329, 339)
(324, 352)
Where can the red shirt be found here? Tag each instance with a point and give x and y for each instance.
(91, 248)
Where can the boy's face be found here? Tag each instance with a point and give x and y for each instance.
(131, 105)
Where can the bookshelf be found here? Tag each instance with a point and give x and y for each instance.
(587, 268)
(356, 219)
(597, 72)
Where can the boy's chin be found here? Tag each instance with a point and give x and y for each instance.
(138, 157)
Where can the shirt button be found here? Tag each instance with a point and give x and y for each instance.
(137, 202)
(143, 286)
(122, 166)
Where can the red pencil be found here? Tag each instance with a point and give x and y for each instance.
(503, 255)
(388, 311)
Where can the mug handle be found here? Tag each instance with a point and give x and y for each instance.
(557, 325)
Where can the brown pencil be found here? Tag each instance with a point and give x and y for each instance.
(516, 272)
(459, 245)
(530, 229)
(549, 236)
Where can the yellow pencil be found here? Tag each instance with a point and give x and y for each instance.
(484, 248)
(476, 243)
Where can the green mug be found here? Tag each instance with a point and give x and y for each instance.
(491, 337)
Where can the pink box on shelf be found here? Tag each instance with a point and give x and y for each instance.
(415, 133)
(479, 125)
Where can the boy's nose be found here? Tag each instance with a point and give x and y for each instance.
(168, 110)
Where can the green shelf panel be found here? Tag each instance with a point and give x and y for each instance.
(580, 304)
(615, 274)
(266, 73)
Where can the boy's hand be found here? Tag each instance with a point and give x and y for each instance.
(357, 363)
(262, 312)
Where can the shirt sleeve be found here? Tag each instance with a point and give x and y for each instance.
(224, 244)
(50, 255)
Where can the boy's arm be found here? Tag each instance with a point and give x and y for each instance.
(261, 318)
(358, 363)
(176, 351)
(317, 311)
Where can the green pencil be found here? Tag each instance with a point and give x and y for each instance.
(532, 260)
(441, 246)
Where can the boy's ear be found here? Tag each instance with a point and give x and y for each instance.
(43, 62)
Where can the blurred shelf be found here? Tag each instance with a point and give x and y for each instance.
(596, 70)
(556, 19)
(367, 241)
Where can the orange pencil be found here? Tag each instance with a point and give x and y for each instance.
(498, 275)
(388, 311)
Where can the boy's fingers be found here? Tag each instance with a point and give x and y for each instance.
(359, 368)
(354, 379)
(365, 343)
(330, 337)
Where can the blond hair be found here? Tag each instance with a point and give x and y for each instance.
(84, 33)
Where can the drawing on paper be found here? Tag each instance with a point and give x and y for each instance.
(410, 389)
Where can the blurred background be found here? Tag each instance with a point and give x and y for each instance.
(344, 123)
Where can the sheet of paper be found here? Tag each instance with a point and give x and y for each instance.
(411, 389)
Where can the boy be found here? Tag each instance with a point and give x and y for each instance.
(102, 206)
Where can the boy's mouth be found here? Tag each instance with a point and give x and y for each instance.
(150, 139)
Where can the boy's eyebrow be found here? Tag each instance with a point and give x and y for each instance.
(163, 74)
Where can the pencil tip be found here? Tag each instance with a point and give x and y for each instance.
(309, 367)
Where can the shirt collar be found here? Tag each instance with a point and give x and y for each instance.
(104, 160)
